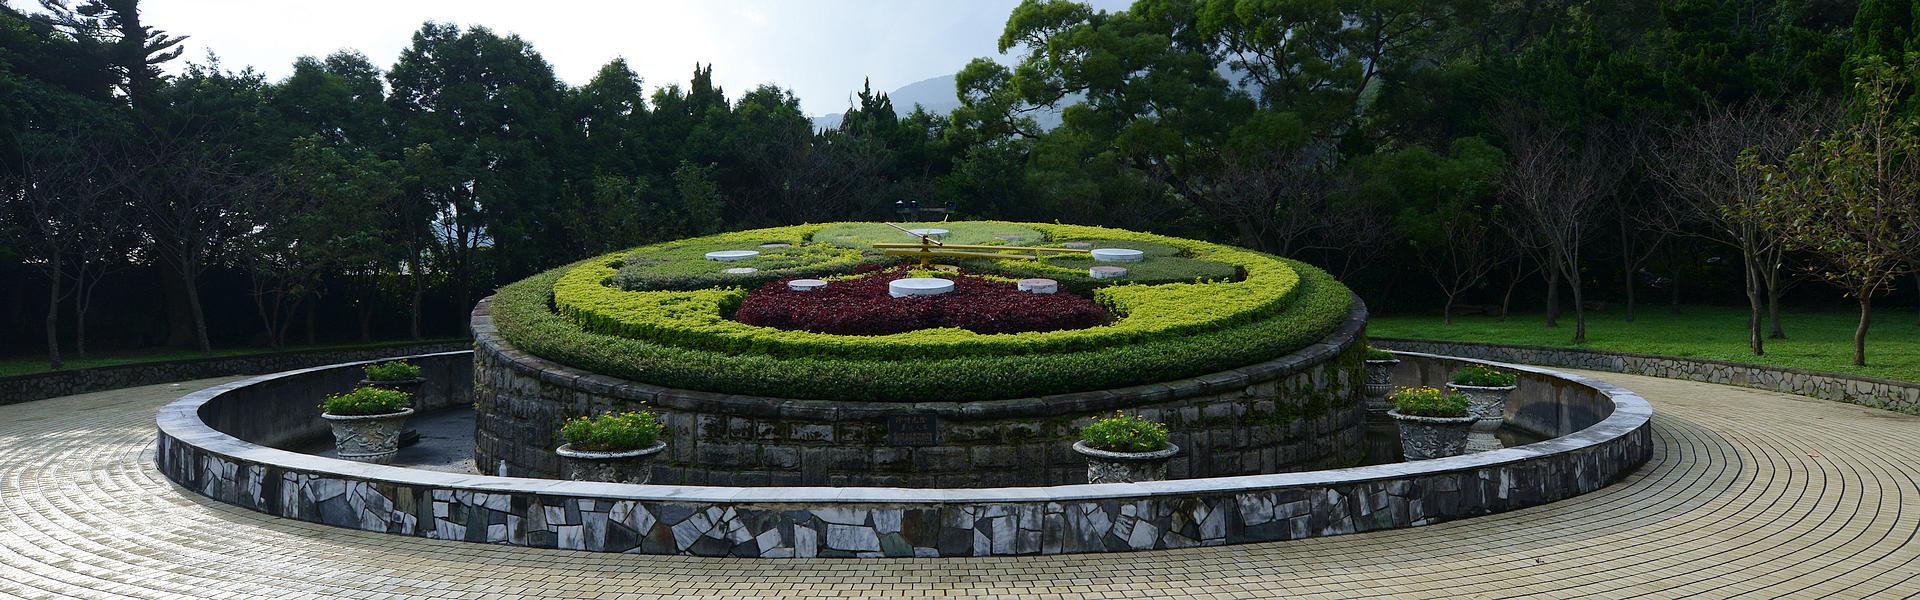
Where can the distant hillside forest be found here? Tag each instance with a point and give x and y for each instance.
(1548, 155)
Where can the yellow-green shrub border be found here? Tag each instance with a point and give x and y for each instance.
(696, 319)
(522, 314)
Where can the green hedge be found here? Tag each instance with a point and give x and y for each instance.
(524, 315)
(698, 319)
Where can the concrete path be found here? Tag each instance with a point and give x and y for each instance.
(1749, 493)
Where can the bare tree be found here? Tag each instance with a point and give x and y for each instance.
(1555, 187)
(189, 195)
(1715, 198)
(1465, 252)
(61, 211)
(1274, 202)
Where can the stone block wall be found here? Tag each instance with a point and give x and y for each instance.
(1299, 412)
(892, 522)
(1898, 396)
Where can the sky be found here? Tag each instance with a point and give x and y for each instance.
(820, 49)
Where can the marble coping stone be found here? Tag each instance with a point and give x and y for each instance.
(180, 421)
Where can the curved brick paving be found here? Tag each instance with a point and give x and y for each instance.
(1749, 493)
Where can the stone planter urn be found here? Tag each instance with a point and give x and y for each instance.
(1379, 382)
(1423, 438)
(1489, 405)
(408, 436)
(1125, 467)
(626, 466)
(368, 438)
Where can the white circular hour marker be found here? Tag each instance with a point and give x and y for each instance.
(933, 233)
(1106, 272)
(732, 255)
(1124, 255)
(740, 270)
(805, 285)
(919, 286)
(1038, 286)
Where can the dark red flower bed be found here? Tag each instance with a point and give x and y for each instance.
(862, 307)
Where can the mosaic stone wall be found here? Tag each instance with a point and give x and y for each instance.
(27, 388)
(1865, 391)
(890, 530)
(1299, 412)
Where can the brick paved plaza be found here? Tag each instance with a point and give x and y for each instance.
(1749, 493)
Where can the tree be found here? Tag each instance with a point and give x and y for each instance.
(64, 215)
(1717, 198)
(322, 215)
(485, 120)
(1852, 199)
(114, 28)
(1446, 210)
(1555, 185)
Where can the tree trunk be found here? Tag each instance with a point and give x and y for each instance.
(1630, 297)
(1774, 291)
(80, 317)
(1506, 300)
(1626, 261)
(1673, 296)
(180, 331)
(1755, 342)
(53, 315)
(366, 322)
(199, 315)
(1553, 296)
(419, 294)
(1446, 311)
(1579, 308)
(1860, 333)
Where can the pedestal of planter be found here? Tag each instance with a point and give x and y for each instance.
(1489, 405)
(629, 466)
(1125, 467)
(1423, 438)
(1379, 384)
(368, 438)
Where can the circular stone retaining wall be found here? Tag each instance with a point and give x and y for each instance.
(886, 522)
(1301, 411)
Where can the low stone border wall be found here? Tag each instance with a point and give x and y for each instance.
(53, 384)
(895, 522)
(1898, 396)
(1298, 412)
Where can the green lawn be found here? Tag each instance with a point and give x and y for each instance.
(1819, 340)
(23, 365)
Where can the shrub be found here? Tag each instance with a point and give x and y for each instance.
(368, 400)
(612, 432)
(1484, 376)
(697, 319)
(684, 266)
(524, 315)
(1125, 433)
(863, 306)
(1378, 354)
(1428, 402)
(398, 370)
